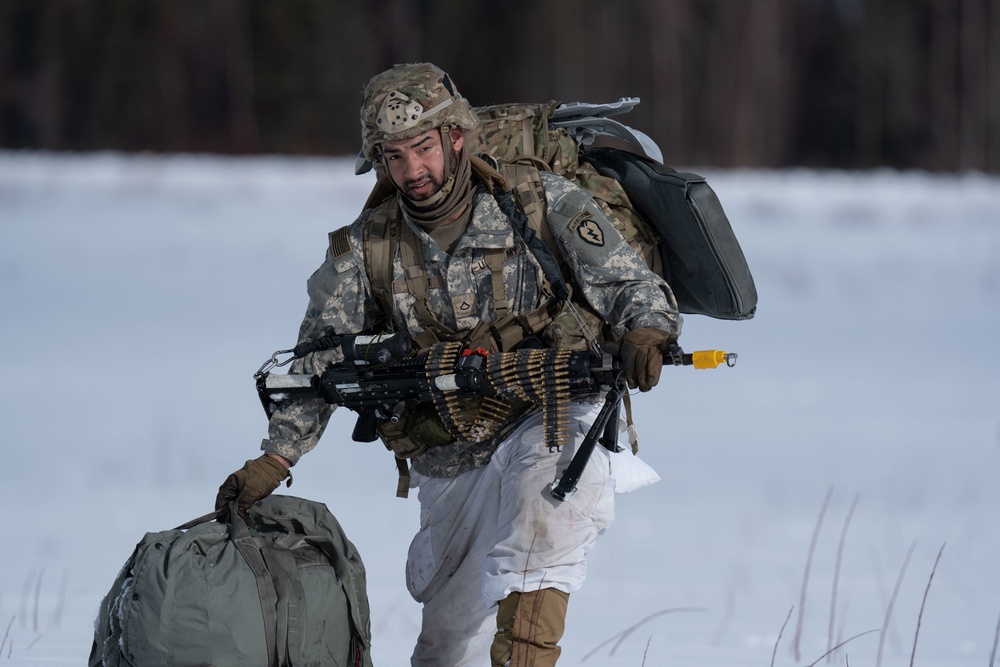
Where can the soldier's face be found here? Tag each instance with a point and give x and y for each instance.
(416, 165)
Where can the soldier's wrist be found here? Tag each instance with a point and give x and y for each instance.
(279, 458)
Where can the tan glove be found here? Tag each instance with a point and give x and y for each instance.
(255, 480)
(641, 352)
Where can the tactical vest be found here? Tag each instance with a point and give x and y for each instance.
(555, 323)
(386, 233)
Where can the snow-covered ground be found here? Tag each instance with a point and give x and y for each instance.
(139, 294)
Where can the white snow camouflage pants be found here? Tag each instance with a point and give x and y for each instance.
(496, 529)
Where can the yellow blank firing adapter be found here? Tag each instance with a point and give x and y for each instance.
(712, 358)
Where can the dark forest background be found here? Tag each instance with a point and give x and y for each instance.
(770, 83)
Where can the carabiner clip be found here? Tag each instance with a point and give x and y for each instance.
(273, 362)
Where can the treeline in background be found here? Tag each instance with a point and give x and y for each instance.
(767, 83)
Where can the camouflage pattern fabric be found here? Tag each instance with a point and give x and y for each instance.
(613, 280)
(408, 100)
(510, 132)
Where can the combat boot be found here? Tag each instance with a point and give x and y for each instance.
(529, 627)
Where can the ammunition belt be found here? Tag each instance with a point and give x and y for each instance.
(538, 376)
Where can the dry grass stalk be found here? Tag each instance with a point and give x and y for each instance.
(996, 640)
(836, 576)
(860, 634)
(923, 602)
(796, 643)
(627, 632)
(892, 603)
(7, 634)
(728, 612)
(38, 594)
(777, 641)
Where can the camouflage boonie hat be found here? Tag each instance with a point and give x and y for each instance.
(408, 100)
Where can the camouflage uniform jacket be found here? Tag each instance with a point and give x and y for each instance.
(611, 276)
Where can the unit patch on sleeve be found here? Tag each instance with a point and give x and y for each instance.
(588, 230)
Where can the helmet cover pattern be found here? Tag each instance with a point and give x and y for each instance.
(408, 100)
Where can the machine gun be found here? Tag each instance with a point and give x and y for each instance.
(380, 379)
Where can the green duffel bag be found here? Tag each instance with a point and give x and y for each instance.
(283, 588)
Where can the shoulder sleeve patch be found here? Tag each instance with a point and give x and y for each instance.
(340, 245)
(584, 226)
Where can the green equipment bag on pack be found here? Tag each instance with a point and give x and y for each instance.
(673, 219)
(285, 587)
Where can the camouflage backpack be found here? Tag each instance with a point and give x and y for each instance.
(674, 220)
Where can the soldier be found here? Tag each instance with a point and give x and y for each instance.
(495, 558)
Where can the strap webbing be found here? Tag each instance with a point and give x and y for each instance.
(543, 255)
(379, 253)
(528, 135)
(494, 259)
(244, 542)
(290, 605)
(633, 435)
(403, 485)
